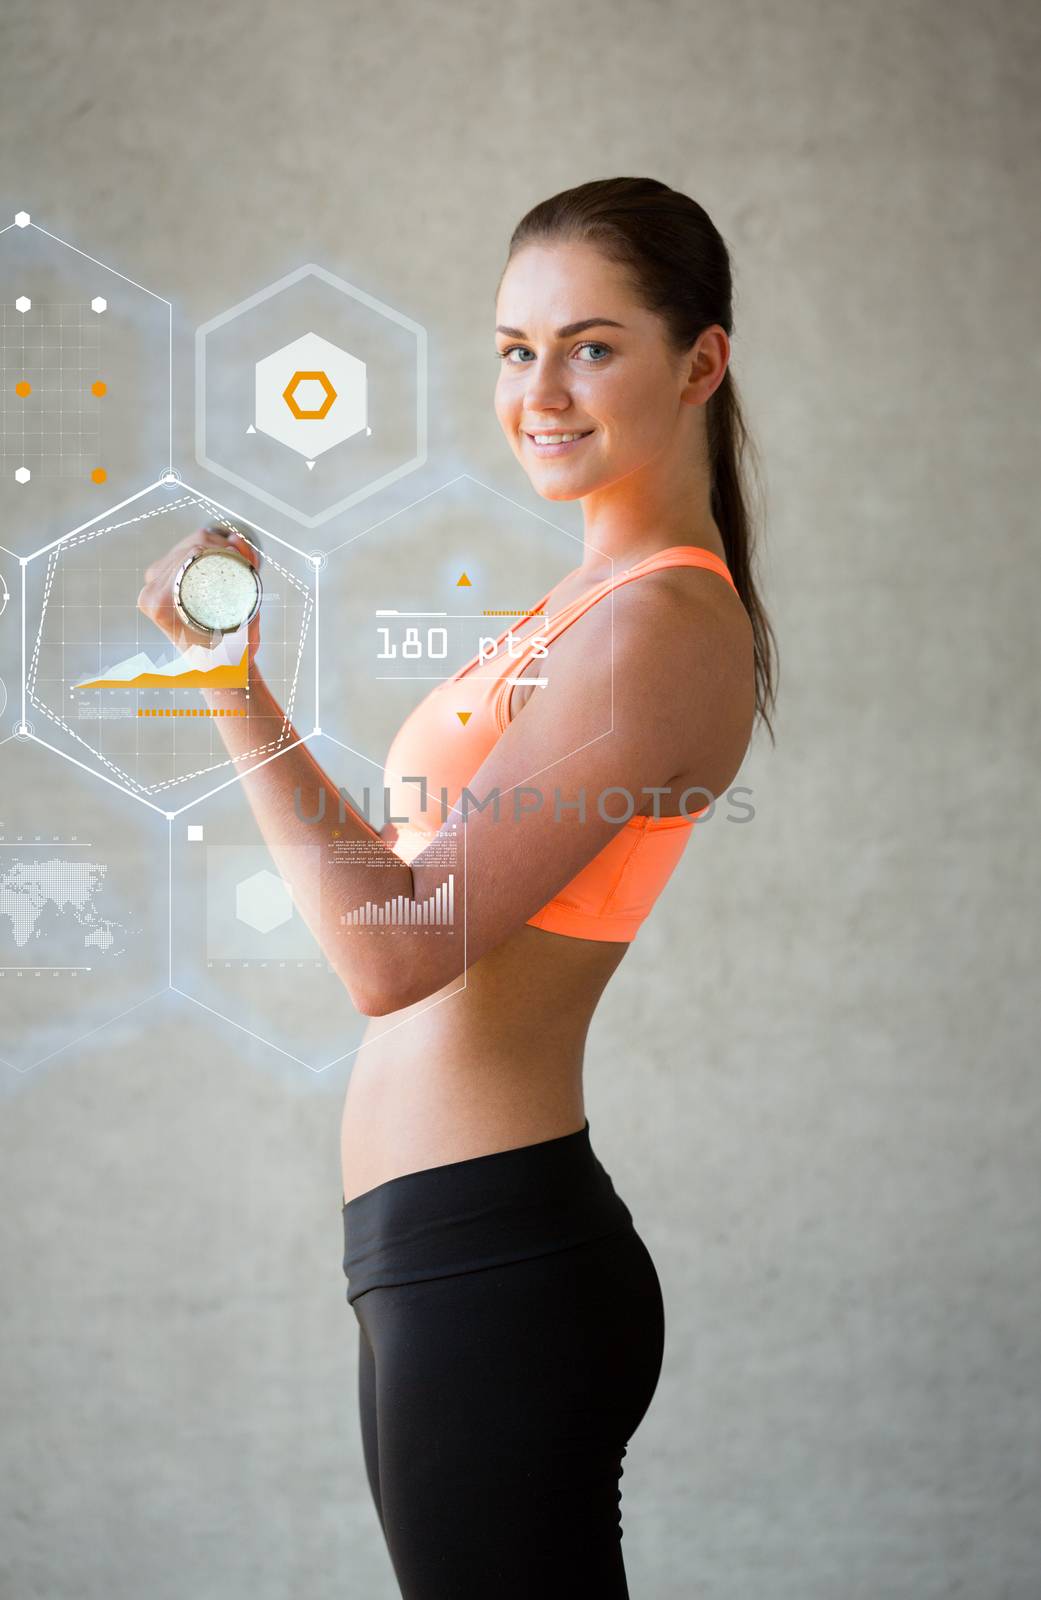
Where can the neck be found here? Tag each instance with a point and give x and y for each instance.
(665, 502)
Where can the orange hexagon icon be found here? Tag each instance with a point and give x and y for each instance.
(289, 396)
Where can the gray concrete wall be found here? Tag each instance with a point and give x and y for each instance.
(820, 1096)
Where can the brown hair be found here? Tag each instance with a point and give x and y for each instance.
(680, 267)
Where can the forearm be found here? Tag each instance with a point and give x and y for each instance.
(345, 862)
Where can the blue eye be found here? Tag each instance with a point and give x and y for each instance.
(589, 344)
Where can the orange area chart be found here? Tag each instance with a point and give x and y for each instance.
(226, 666)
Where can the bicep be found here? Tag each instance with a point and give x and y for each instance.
(626, 708)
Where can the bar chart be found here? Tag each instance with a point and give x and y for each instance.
(437, 910)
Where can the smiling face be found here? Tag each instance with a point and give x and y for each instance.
(580, 355)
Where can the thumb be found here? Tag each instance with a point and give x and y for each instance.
(245, 547)
(238, 541)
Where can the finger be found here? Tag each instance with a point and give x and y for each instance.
(226, 535)
(245, 547)
(248, 544)
(219, 535)
(211, 538)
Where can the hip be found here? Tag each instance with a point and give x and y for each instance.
(411, 1110)
(488, 1210)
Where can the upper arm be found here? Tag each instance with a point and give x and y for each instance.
(676, 702)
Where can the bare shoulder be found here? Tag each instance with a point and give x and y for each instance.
(669, 657)
(690, 612)
(691, 620)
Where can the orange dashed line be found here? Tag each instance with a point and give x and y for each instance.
(487, 613)
(187, 711)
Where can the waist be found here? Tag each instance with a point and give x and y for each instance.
(486, 1211)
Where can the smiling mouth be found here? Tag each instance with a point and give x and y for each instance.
(558, 441)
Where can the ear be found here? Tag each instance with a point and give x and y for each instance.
(707, 362)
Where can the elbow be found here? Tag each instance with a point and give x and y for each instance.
(369, 979)
(381, 1001)
(378, 1000)
(388, 982)
(373, 1005)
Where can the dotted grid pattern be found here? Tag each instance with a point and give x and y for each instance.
(55, 430)
(73, 887)
(216, 518)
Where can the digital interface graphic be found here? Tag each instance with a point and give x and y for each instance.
(311, 395)
(310, 398)
(83, 907)
(250, 910)
(86, 383)
(52, 390)
(104, 685)
(48, 896)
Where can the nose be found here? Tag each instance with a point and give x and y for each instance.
(546, 390)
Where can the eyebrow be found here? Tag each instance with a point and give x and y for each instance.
(568, 329)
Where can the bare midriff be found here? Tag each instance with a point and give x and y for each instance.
(478, 1067)
(494, 1060)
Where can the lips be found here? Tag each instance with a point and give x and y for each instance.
(554, 433)
(558, 448)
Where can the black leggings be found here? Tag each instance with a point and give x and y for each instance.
(511, 1338)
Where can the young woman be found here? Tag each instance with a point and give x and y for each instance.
(511, 1326)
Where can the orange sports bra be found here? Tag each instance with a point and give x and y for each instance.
(613, 893)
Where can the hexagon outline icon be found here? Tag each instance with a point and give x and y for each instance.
(289, 396)
(311, 270)
(342, 376)
(66, 755)
(264, 901)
